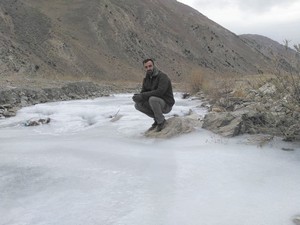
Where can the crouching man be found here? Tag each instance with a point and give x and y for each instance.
(156, 97)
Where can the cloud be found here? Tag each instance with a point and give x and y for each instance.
(254, 6)
(258, 6)
(271, 18)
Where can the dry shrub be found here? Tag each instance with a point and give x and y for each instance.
(288, 81)
(289, 85)
(200, 80)
(196, 81)
(258, 80)
(215, 85)
(240, 93)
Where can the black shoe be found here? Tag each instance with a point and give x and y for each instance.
(153, 126)
(161, 126)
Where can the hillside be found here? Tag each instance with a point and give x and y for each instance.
(107, 40)
(288, 59)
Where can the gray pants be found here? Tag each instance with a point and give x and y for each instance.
(154, 108)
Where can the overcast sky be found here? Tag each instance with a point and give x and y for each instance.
(276, 19)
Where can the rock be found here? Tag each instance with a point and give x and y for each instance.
(37, 122)
(186, 95)
(5, 106)
(9, 112)
(176, 126)
(268, 88)
(225, 124)
(296, 220)
(217, 109)
(230, 124)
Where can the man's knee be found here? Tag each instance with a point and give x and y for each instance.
(159, 102)
(153, 100)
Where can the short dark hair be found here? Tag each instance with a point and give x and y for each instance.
(147, 60)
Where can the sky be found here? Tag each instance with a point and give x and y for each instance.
(83, 168)
(276, 19)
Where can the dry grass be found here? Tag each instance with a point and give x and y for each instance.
(220, 85)
(217, 85)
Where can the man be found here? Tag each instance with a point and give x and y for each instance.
(156, 97)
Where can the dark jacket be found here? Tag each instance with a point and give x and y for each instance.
(158, 86)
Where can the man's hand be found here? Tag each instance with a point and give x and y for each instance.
(137, 98)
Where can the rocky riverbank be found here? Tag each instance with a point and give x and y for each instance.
(260, 111)
(14, 98)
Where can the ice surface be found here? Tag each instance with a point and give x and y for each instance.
(83, 169)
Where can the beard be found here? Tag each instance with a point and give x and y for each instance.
(149, 72)
(152, 72)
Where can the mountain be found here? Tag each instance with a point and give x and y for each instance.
(286, 59)
(108, 39)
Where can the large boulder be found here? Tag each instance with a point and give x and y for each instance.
(225, 124)
(230, 124)
(176, 126)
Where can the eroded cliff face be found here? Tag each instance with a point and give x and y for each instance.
(107, 40)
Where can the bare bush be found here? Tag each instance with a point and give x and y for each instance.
(196, 81)
(216, 86)
(297, 48)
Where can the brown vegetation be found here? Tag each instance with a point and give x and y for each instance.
(275, 96)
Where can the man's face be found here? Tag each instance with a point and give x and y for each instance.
(148, 67)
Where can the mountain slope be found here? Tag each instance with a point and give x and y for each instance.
(286, 58)
(108, 39)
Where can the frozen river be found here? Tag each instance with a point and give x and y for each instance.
(83, 169)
